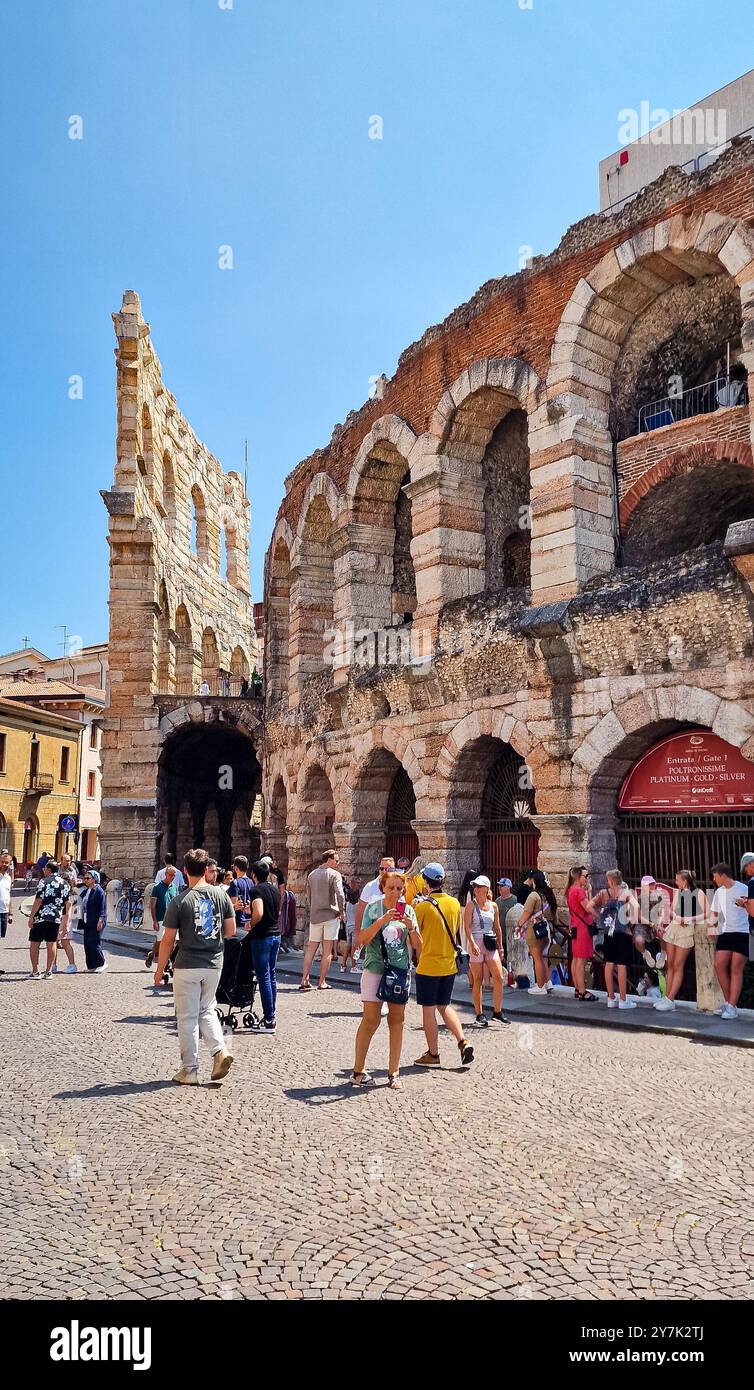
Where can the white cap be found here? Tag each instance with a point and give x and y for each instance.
(481, 882)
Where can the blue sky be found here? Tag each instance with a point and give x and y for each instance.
(249, 126)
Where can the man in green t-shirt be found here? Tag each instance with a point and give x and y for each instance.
(163, 892)
(202, 919)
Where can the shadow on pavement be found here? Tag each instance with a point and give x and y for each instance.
(121, 1088)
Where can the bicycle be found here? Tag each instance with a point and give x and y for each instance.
(129, 909)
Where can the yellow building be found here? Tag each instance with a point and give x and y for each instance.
(39, 763)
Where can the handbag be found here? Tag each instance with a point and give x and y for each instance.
(462, 957)
(395, 985)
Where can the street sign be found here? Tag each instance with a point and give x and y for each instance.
(68, 824)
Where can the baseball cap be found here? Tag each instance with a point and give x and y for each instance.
(505, 883)
(648, 881)
(746, 859)
(481, 882)
(434, 873)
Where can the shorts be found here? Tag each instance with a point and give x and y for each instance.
(369, 984)
(486, 955)
(324, 931)
(434, 991)
(618, 949)
(44, 931)
(679, 934)
(737, 941)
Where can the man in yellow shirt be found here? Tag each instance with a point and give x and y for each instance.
(439, 918)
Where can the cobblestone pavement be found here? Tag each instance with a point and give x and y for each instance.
(568, 1162)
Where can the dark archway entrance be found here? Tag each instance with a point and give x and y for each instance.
(492, 808)
(209, 778)
(401, 839)
(384, 807)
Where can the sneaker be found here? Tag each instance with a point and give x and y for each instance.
(627, 1004)
(466, 1051)
(46, 975)
(538, 989)
(71, 970)
(99, 968)
(612, 1003)
(54, 970)
(721, 1010)
(549, 987)
(501, 1017)
(481, 1022)
(36, 975)
(221, 1065)
(428, 1059)
(268, 1028)
(665, 1005)
(186, 1078)
(730, 1011)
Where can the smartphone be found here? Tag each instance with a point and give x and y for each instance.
(400, 908)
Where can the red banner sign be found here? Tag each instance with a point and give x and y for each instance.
(694, 771)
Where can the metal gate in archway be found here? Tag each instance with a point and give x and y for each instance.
(401, 840)
(662, 844)
(508, 838)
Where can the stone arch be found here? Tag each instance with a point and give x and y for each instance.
(383, 810)
(488, 723)
(145, 459)
(382, 578)
(316, 812)
(169, 496)
(573, 501)
(278, 613)
(276, 840)
(240, 669)
(312, 590)
(184, 652)
(605, 303)
(210, 658)
(689, 504)
(322, 486)
(199, 531)
(208, 767)
(165, 642)
(483, 422)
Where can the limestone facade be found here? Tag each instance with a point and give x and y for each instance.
(569, 596)
(182, 637)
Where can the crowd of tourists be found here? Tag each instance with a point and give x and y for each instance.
(402, 924)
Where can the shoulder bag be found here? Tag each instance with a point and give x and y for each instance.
(395, 985)
(462, 957)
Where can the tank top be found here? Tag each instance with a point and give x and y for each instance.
(482, 922)
(688, 905)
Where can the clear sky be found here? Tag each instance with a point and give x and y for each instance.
(248, 126)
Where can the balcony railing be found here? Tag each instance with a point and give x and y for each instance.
(698, 400)
(40, 782)
(226, 687)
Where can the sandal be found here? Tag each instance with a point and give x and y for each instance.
(361, 1078)
(394, 1081)
(586, 998)
(304, 987)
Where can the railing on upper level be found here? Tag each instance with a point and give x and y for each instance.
(41, 782)
(698, 400)
(224, 686)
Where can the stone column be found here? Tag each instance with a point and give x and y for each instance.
(709, 995)
(566, 840)
(573, 522)
(448, 546)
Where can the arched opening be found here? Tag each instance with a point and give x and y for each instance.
(384, 807)
(687, 510)
(184, 654)
(165, 644)
(223, 554)
(239, 669)
(198, 525)
(145, 460)
(30, 852)
(404, 575)
(277, 623)
(210, 661)
(208, 778)
(682, 342)
(314, 590)
(277, 832)
(317, 816)
(168, 487)
(384, 584)
(492, 806)
(507, 524)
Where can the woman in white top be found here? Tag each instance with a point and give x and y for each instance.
(484, 938)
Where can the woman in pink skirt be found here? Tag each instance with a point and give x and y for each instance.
(582, 913)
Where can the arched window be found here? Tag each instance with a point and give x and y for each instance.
(314, 592)
(505, 469)
(144, 460)
(184, 656)
(239, 668)
(198, 525)
(168, 487)
(277, 625)
(223, 553)
(210, 659)
(165, 647)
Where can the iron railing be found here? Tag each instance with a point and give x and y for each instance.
(698, 400)
(663, 844)
(226, 687)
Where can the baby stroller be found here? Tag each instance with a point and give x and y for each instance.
(237, 988)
